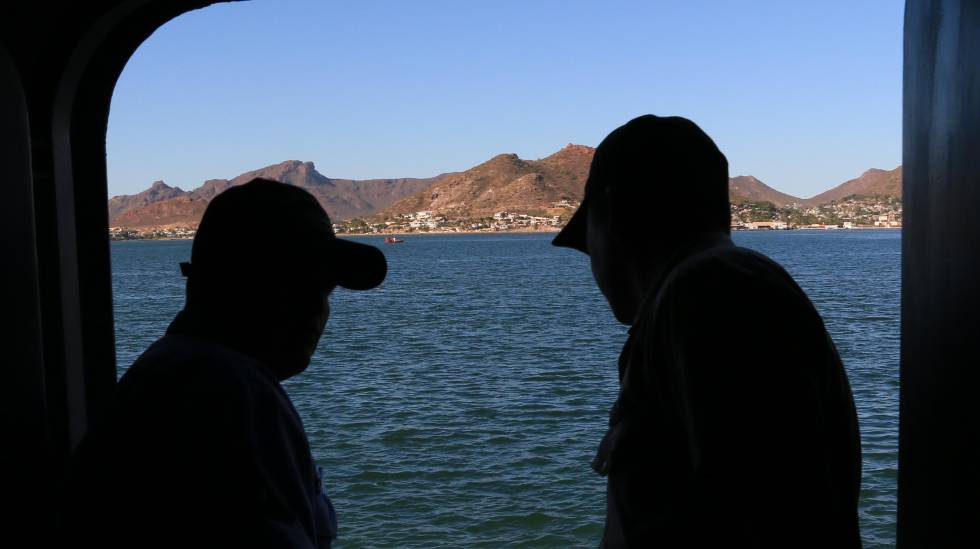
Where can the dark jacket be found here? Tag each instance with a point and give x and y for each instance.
(735, 425)
(202, 448)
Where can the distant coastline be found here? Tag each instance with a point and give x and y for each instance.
(522, 230)
(546, 230)
(127, 235)
(504, 193)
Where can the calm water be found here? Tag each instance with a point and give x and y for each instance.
(460, 403)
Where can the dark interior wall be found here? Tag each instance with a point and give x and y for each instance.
(939, 457)
(59, 62)
(22, 394)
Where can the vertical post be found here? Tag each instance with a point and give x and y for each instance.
(26, 460)
(939, 434)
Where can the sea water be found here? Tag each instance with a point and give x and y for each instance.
(460, 403)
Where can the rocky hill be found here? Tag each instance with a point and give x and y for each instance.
(182, 211)
(505, 182)
(342, 198)
(547, 186)
(509, 183)
(874, 182)
(157, 192)
(746, 188)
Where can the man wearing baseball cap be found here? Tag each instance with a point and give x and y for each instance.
(735, 425)
(202, 447)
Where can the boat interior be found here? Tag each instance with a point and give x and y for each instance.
(59, 63)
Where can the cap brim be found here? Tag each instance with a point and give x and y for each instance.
(574, 235)
(356, 266)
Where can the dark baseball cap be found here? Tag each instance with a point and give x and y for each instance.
(654, 163)
(267, 230)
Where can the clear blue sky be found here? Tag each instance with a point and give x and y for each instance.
(802, 95)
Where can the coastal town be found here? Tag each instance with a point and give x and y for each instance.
(854, 212)
(431, 221)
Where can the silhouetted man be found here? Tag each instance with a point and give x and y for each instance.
(734, 425)
(202, 446)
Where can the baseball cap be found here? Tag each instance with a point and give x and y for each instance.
(265, 229)
(654, 161)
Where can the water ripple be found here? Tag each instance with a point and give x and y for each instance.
(460, 403)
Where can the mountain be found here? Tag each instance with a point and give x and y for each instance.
(509, 183)
(183, 210)
(746, 188)
(342, 198)
(505, 183)
(157, 192)
(874, 182)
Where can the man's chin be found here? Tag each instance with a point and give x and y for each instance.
(620, 309)
(623, 317)
(290, 365)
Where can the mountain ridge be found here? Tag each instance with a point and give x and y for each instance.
(341, 198)
(505, 182)
(873, 182)
(748, 188)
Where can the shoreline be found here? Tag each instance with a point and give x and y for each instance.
(550, 230)
(557, 229)
(518, 231)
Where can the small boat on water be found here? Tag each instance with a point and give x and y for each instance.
(393, 240)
